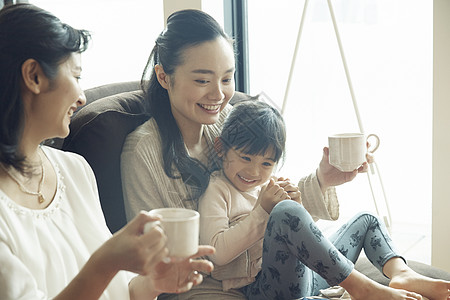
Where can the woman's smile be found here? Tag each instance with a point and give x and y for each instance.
(211, 108)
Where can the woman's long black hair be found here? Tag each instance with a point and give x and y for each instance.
(27, 31)
(185, 29)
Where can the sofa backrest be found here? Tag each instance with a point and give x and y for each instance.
(97, 132)
(106, 90)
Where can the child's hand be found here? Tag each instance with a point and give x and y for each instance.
(271, 195)
(291, 189)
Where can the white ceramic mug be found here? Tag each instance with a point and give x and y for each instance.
(348, 150)
(181, 227)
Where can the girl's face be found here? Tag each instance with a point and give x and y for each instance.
(54, 107)
(201, 87)
(248, 171)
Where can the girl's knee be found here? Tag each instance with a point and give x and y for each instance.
(288, 206)
(369, 219)
(288, 209)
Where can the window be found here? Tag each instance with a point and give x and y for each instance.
(388, 46)
(123, 35)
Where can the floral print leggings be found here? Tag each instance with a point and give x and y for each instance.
(298, 260)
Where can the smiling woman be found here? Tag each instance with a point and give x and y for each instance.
(200, 87)
(47, 74)
(188, 83)
(51, 221)
(191, 70)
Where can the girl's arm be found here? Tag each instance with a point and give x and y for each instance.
(215, 229)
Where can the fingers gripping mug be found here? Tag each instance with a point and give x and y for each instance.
(181, 227)
(348, 150)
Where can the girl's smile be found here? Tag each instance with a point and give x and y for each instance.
(247, 171)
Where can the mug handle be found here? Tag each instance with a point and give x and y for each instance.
(373, 148)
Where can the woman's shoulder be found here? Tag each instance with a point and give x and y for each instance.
(217, 177)
(145, 136)
(67, 162)
(63, 157)
(224, 113)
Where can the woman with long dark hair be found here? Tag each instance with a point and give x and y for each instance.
(54, 242)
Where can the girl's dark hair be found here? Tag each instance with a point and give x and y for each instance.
(27, 31)
(185, 29)
(254, 127)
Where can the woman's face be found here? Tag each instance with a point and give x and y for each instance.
(203, 84)
(55, 106)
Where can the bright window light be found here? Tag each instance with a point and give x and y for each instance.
(388, 46)
(123, 35)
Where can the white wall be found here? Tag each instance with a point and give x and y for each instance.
(441, 136)
(122, 35)
(212, 7)
(171, 6)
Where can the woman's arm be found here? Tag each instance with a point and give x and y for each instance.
(145, 184)
(138, 181)
(330, 176)
(131, 250)
(318, 192)
(320, 205)
(174, 277)
(128, 249)
(90, 282)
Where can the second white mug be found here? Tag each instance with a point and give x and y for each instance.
(348, 150)
(181, 227)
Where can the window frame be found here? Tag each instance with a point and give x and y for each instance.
(235, 19)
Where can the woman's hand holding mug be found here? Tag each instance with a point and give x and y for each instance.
(348, 154)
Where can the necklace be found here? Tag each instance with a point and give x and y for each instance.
(39, 194)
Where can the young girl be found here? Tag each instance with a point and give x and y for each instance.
(247, 210)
